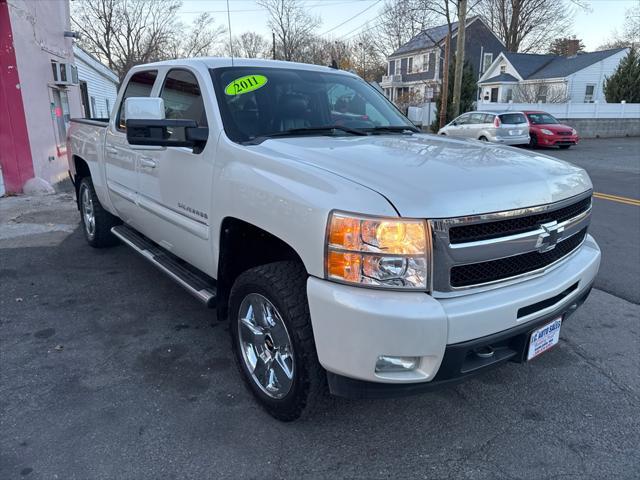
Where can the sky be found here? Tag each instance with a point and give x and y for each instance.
(343, 19)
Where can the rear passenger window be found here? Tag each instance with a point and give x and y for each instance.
(140, 85)
(488, 118)
(182, 97)
(512, 118)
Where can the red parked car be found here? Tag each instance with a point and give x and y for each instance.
(546, 131)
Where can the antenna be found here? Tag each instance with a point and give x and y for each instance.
(230, 37)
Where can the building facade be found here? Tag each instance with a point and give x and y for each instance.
(531, 78)
(98, 85)
(38, 91)
(414, 71)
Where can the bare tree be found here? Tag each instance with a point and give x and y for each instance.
(251, 45)
(399, 21)
(529, 25)
(366, 59)
(202, 39)
(123, 33)
(630, 35)
(292, 25)
(534, 92)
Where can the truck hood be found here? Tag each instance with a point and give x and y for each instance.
(426, 176)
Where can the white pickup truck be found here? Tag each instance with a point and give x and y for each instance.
(346, 249)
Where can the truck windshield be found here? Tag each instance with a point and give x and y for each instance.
(262, 102)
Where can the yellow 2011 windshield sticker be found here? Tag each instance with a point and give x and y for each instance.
(245, 84)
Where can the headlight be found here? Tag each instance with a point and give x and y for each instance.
(546, 132)
(574, 131)
(377, 252)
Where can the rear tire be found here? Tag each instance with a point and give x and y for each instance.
(96, 221)
(483, 139)
(273, 342)
(564, 147)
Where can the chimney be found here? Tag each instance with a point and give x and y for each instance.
(571, 47)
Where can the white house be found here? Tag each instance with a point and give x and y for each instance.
(98, 85)
(530, 78)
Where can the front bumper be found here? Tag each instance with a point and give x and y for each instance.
(556, 140)
(354, 326)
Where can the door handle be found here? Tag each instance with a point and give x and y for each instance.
(111, 150)
(148, 162)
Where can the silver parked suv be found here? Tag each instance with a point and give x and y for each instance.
(509, 128)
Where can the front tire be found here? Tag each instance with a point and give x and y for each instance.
(273, 341)
(533, 141)
(564, 147)
(96, 221)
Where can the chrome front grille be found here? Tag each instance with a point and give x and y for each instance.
(484, 251)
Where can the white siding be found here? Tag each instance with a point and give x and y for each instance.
(102, 84)
(494, 69)
(594, 75)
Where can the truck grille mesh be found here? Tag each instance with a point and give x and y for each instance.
(484, 272)
(512, 226)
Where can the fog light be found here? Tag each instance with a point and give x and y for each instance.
(386, 364)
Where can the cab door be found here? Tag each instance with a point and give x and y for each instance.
(175, 183)
(121, 161)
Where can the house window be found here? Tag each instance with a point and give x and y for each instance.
(543, 90)
(503, 68)
(487, 60)
(410, 65)
(60, 115)
(509, 94)
(392, 65)
(588, 93)
(108, 108)
(398, 66)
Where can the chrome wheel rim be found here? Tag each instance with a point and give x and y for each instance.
(88, 213)
(265, 345)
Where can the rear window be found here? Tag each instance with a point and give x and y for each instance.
(512, 118)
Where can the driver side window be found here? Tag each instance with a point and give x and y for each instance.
(182, 97)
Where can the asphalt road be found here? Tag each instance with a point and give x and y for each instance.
(614, 167)
(110, 371)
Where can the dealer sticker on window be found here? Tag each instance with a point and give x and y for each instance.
(245, 84)
(544, 338)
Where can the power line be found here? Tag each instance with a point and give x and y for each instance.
(351, 18)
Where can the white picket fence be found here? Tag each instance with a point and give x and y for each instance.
(425, 114)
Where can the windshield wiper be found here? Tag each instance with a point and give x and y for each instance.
(393, 129)
(293, 132)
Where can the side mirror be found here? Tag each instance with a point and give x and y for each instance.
(144, 108)
(146, 126)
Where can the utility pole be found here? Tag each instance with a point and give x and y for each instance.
(273, 36)
(457, 79)
(444, 91)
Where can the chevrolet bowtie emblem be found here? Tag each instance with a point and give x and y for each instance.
(548, 239)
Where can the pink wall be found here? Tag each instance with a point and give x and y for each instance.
(38, 38)
(15, 152)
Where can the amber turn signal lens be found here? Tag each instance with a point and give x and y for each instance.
(344, 266)
(344, 232)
